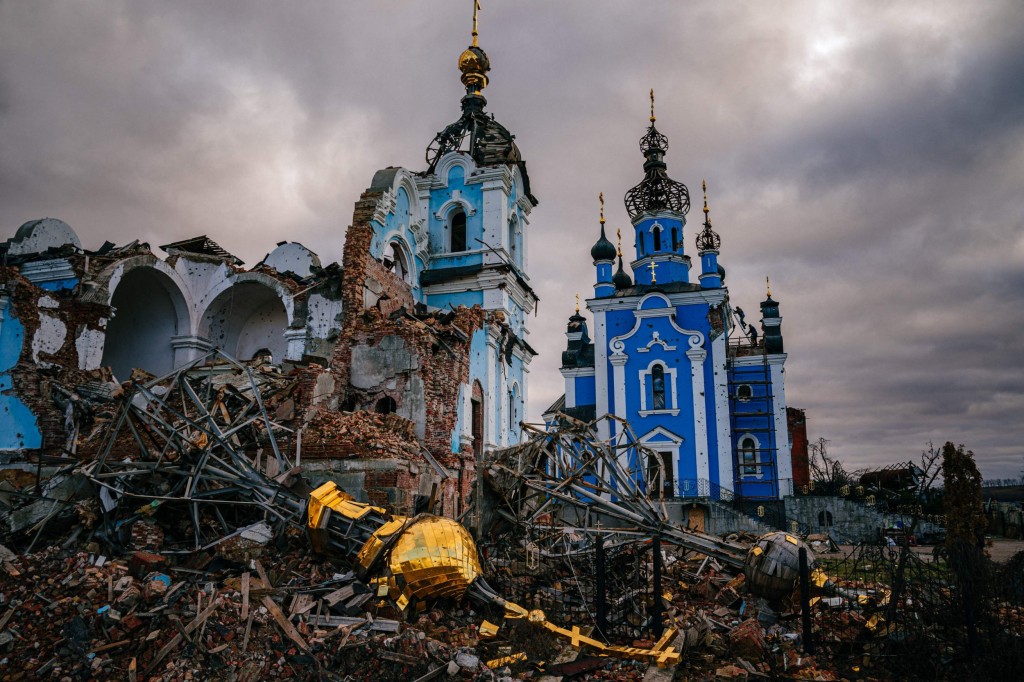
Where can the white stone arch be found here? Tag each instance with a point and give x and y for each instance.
(152, 308)
(449, 161)
(386, 205)
(249, 312)
(405, 251)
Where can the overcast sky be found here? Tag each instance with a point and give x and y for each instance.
(867, 156)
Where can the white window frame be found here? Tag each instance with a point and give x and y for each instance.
(670, 389)
(742, 464)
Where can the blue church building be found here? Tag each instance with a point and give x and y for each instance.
(669, 354)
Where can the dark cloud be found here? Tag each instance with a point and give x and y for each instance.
(866, 156)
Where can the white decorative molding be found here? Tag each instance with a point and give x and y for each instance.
(758, 473)
(655, 340)
(446, 207)
(385, 206)
(721, 385)
(601, 377)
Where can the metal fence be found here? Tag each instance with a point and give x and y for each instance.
(890, 611)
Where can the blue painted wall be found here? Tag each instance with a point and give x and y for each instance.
(18, 426)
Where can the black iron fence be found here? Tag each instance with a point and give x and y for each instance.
(895, 612)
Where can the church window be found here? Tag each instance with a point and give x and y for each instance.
(744, 393)
(675, 239)
(657, 387)
(394, 261)
(458, 232)
(513, 242)
(825, 518)
(657, 238)
(476, 412)
(748, 456)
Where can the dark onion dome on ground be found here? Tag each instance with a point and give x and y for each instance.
(721, 273)
(603, 250)
(657, 191)
(621, 278)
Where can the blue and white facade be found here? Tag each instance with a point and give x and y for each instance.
(658, 355)
(457, 234)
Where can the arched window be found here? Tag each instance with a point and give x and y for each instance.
(476, 404)
(513, 241)
(825, 518)
(658, 387)
(748, 456)
(394, 261)
(675, 239)
(385, 405)
(458, 232)
(656, 231)
(744, 393)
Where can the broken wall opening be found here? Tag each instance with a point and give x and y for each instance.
(150, 311)
(246, 319)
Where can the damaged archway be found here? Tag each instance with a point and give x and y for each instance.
(247, 319)
(150, 310)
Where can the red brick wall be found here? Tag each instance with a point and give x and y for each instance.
(796, 420)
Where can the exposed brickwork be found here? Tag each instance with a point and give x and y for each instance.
(796, 420)
(34, 383)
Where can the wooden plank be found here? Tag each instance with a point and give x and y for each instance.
(176, 640)
(341, 594)
(133, 667)
(285, 624)
(245, 595)
(245, 639)
(263, 575)
(112, 645)
(6, 617)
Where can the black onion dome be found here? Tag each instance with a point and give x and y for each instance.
(708, 240)
(603, 249)
(653, 141)
(620, 279)
(657, 191)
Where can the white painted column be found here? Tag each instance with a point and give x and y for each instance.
(296, 340)
(490, 407)
(619, 379)
(700, 420)
(722, 424)
(783, 456)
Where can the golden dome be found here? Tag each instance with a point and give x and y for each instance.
(474, 65)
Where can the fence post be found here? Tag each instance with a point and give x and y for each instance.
(656, 601)
(805, 600)
(600, 597)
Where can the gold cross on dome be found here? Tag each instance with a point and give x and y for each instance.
(476, 8)
(577, 304)
(618, 233)
(654, 277)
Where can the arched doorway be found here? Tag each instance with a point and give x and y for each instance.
(150, 311)
(247, 319)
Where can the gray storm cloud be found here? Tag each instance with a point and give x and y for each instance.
(867, 156)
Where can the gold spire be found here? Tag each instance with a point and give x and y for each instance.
(707, 211)
(476, 8)
(577, 303)
(618, 233)
(600, 197)
(768, 283)
(652, 105)
(473, 62)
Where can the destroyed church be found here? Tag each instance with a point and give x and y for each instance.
(406, 362)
